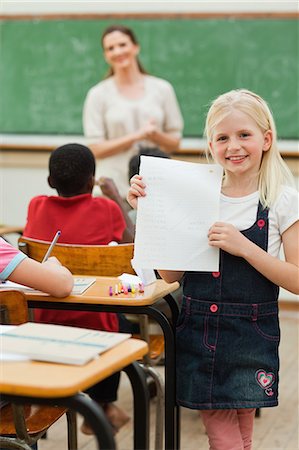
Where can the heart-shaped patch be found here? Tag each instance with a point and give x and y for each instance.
(264, 379)
(269, 392)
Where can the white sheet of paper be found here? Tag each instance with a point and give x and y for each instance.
(181, 203)
(10, 356)
(145, 276)
(80, 285)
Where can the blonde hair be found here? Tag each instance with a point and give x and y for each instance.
(273, 172)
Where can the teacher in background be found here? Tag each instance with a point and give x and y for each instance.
(129, 109)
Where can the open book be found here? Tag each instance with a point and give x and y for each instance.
(80, 285)
(58, 343)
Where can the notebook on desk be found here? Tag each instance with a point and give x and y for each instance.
(58, 343)
(80, 285)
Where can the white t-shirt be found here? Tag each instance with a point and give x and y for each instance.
(241, 212)
(107, 114)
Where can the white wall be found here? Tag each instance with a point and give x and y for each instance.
(17, 187)
(70, 6)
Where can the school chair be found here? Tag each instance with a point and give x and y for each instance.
(22, 426)
(106, 260)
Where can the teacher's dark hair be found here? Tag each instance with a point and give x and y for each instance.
(128, 32)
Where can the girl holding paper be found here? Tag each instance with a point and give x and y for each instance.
(228, 329)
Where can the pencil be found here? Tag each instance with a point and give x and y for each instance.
(49, 251)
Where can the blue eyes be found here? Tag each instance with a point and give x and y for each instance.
(224, 138)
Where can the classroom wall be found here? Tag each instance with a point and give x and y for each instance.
(81, 6)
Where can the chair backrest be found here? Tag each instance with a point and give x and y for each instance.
(99, 260)
(14, 309)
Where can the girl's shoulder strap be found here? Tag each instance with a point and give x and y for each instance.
(262, 212)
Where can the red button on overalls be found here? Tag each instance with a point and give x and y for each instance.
(216, 274)
(213, 308)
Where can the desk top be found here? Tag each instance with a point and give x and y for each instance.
(49, 380)
(98, 293)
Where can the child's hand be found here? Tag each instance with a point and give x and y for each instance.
(108, 187)
(136, 190)
(228, 238)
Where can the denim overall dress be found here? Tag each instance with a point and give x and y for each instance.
(227, 334)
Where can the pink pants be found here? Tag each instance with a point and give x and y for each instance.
(229, 429)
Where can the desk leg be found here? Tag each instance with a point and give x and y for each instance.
(141, 405)
(178, 427)
(171, 408)
(173, 307)
(96, 418)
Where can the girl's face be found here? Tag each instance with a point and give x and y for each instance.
(119, 51)
(238, 144)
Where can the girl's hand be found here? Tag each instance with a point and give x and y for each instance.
(228, 238)
(136, 190)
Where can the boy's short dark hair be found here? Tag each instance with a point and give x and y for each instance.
(70, 168)
(134, 162)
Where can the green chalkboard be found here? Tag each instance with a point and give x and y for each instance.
(47, 67)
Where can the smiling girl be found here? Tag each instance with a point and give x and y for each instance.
(228, 329)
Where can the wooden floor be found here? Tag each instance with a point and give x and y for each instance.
(276, 429)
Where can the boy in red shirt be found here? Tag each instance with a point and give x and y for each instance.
(82, 219)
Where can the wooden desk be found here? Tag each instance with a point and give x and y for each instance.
(60, 384)
(97, 298)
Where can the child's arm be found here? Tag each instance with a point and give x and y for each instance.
(171, 275)
(50, 277)
(283, 273)
(110, 190)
